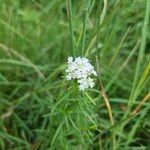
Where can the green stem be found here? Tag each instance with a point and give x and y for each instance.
(140, 59)
(73, 42)
(85, 9)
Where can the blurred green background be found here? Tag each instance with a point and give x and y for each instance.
(39, 109)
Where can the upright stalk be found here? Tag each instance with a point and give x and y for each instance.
(85, 11)
(73, 42)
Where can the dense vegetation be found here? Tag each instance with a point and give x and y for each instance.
(39, 109)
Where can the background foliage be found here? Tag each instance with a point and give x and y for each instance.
(39, 109)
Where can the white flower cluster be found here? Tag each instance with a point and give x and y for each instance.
(81, 69)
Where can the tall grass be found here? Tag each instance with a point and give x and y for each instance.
(39, 109)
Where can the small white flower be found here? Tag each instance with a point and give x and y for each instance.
(70, 59)
(94, 72)
(90, 82)
(81, 69)
(68, 77)
(83, 83)
(86, 83)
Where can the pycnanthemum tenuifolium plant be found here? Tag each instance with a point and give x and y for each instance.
(81, 69)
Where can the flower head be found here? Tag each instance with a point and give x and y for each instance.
(81, 69)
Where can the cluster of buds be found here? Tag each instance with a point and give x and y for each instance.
(81, 69)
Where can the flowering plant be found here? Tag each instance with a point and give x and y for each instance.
(81, 69)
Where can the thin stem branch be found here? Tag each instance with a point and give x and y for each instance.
(102, 90)
(85, 9)
(69, 12)
(137, 109)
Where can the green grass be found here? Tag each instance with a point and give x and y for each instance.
(39, 109)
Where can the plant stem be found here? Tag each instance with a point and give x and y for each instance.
(73, 42)
(85, 9)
